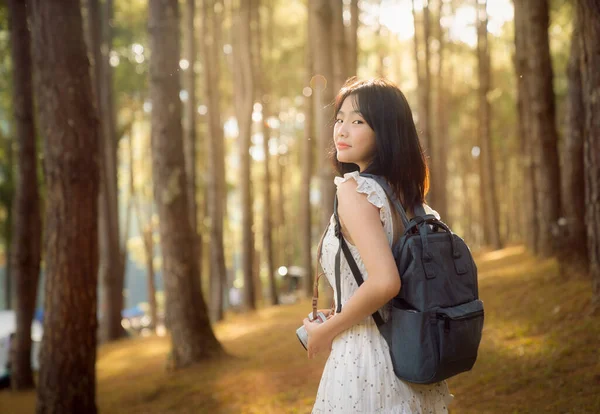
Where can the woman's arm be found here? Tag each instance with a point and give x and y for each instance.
(361, 221)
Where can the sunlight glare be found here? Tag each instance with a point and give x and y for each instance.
(231, 128)
(137, 48)
(397, 17)
(183, 95)
(114, 59)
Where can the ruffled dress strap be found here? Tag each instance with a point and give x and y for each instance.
(375, 195)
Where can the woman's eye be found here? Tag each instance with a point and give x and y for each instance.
(358, 121)
(337, 121)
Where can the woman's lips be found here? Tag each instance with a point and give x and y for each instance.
(342, 146)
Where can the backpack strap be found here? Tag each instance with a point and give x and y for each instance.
(351, 263)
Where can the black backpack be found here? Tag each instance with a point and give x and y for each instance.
(436, 320)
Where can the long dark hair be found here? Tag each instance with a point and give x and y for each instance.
(398, 155)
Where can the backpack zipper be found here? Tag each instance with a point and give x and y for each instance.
(447, 319)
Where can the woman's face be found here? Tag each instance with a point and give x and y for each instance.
(354, 139)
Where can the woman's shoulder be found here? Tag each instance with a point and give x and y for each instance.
(354, 182)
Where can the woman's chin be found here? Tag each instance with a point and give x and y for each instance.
(342, 158)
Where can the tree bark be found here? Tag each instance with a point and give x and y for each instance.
(486, 160)
(442, 130)
(339, 50)
(27, 222)
(7, 193)
(543, 128)
(68, 119)
(307, 167)
(112, 255)
(190, 136)
(573, 250)
(244, 93)
(323, 92)
(588, 13)
(352, 40)
(529, 217)
(265, 96)
(147, 232)
(423, 69)
(216, 158)
(191, 334)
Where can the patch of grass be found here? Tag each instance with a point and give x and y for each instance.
(539, 353)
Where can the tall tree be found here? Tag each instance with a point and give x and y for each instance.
(352, 39)
(442, 118)
(543, 127)
(192, 337)
(243, 99)
(423, 69)
(323, 88)
(486, 160)
(307, 165)
(216, 155)
(189, 140)
(588, 14)
(574, 251)
(146, 227)
(7, 189)
(67, 379)
(112, 249)
(27, 222)
(340, 55)
(529, 217)
(264, 91)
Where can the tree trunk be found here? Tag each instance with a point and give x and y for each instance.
(67, 379)
(529, 217)
(265, 95)
(543, 128)
(424, 92)
(588, 13)
(307, 166)
(340, 56)
(216, 158)
(192, 336)
(573, 250)
(244, 93)
(352, 40)
(7, 228)
(151, 284)
(323, 93)
(189, 141)
(380, 44)
(27, 222)
(486, 160)
(112, 266)
(442, 130)
(8, 196)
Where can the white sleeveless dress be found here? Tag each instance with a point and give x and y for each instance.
(358, 376)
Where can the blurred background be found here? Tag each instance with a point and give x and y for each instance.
(206, 127)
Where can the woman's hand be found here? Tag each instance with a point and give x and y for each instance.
(327, 312)
(319, 337)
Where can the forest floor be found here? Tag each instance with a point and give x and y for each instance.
(539, 354)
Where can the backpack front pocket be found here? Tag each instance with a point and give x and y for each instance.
(413, 348)
(459, 332)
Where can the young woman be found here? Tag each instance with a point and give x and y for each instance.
(373, 133)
